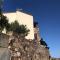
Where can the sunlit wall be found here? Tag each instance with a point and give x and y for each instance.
(22, 18)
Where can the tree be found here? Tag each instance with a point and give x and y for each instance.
(18, 29)
(3, 21)
(43, 42)
(14, 26)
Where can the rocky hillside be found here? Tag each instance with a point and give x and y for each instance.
(24, 49)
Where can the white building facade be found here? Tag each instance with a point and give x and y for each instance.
(22, 18)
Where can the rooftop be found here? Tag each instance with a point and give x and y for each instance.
(21, 10)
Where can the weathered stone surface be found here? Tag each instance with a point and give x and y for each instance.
(4, 54)
(29, 50)
(4, 40)
(24, 49)
(4, 51)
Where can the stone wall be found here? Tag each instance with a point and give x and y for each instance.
(4, 54)
(23, 49)
(4, 51)
(28, 50)
(4, 40)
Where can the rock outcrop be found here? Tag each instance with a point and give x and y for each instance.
(24, 49)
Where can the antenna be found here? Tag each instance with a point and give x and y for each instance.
(19, 9)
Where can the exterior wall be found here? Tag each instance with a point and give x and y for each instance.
(26, 50)
(22, 18)
(36, 32)
(4, 40)
(4, 54)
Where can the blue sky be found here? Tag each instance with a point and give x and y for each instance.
(47, 13)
